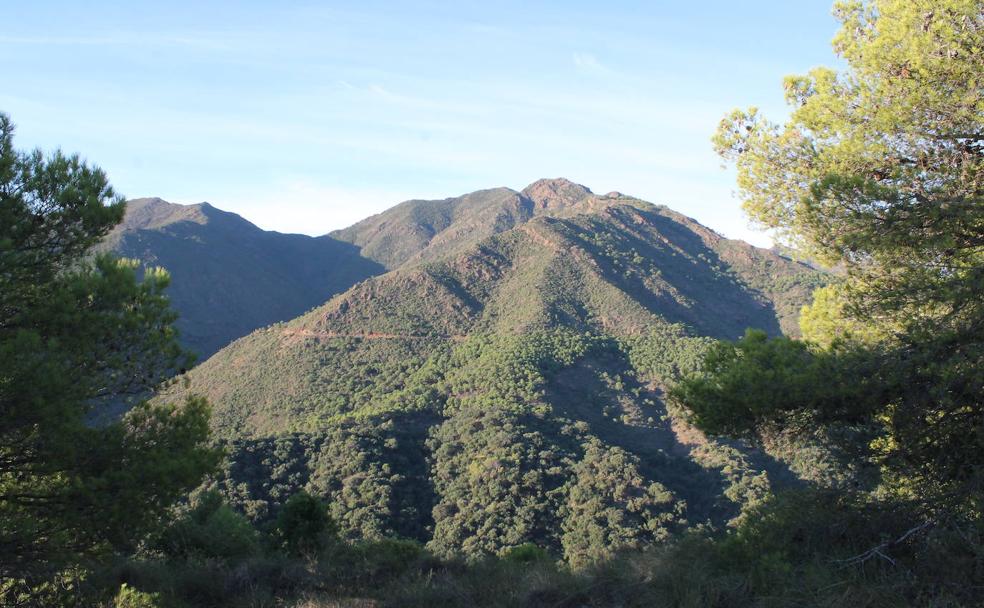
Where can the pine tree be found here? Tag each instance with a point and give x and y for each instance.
(79, 333)
(880, 170)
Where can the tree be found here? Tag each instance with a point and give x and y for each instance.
(879, 169)
(79, 333)
(610, 507)
(827, 321)
(305, 526)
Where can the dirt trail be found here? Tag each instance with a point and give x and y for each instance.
(305, 333)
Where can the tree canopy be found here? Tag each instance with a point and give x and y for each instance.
(80, 335)
(880, 170)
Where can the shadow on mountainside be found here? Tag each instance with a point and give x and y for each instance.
(676, 275)
(382, 467)
(230, 278)
(635, 419)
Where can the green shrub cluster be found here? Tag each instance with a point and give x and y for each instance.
(804, 548)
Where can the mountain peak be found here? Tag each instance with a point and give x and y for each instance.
(231, 277)
(153, 213)
(556, 193)
(157, 214)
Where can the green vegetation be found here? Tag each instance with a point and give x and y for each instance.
(356, 354)
(797, 549)
(476, 402)
(80, 336)
(303, 525)
(509, 392)
(209, 530)
(538, 404)
(880, 170)
(550, 437)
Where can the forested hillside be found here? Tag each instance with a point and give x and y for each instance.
(498, 389)
(536, 397)
(230, 276)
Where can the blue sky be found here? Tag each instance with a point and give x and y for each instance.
(305, 117)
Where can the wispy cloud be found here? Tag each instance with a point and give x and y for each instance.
(191, 40)
(587, 62)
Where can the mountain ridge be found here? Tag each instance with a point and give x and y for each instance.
(230, 276)
(421, 230)
(304, 271)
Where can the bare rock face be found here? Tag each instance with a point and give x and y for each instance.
(557, 193)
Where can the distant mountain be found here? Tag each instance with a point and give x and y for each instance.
(503, 383)
(621, 271)
(229, 276)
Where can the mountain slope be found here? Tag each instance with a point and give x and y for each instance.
(230, 277)
(504, 386)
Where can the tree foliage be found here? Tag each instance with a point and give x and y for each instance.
(879, 169)
(758, 380)
(209, 530)
(79, 336)
(304, 525)
(610, 507)
(826, 320)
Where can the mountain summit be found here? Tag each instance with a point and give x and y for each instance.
(419, 231)
(555, 193)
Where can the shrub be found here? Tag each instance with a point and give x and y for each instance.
(386, 558)
(525, 554)
(211, 530)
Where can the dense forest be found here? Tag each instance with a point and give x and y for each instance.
(544, 397)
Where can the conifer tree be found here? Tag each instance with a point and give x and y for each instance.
(79, 333)
(880, 170)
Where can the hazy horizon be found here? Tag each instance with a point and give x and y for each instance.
(308, 118)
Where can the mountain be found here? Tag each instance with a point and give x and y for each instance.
(419, 231)
(503, 384)
(229, 276)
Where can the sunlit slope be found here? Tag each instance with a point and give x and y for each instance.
(426, 230)
(618, 270)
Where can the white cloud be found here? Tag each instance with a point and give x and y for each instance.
(587, 62)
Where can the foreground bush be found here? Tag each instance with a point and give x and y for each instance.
(210, 530)
(807, 548)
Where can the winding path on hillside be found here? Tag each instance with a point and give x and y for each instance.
(306, 333)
